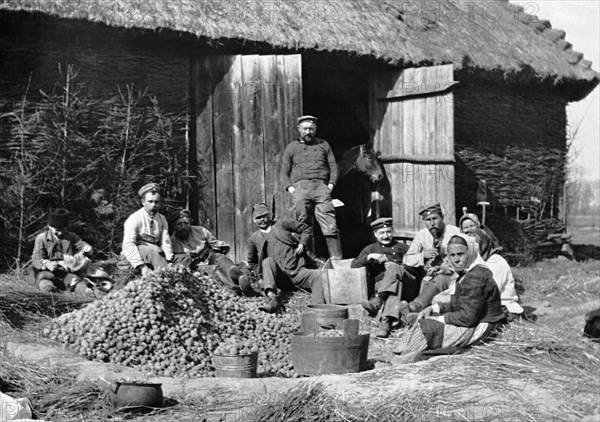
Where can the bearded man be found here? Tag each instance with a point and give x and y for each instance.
(195, 245)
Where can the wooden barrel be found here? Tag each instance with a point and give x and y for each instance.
(316, 354)
(312, 355)
(236, 366)
(319, 317)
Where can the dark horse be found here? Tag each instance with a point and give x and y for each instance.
(365, 191)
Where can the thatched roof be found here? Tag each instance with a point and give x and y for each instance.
(493, 35)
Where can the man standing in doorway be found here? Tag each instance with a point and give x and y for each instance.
(309, 172)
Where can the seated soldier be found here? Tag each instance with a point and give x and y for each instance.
(393, 280)
(195, 245)
(427, 254)
(59, 257)
(377, 256)
(146, 242)
(275, 252)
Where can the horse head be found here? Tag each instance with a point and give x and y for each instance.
(368, 163)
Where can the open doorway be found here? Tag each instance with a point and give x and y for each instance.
(339, 98)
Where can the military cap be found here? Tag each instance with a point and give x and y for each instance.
(59, 218)
(434, 209)
(258, 210)
(185, 215)
(150, 187)
(381, 223)
(312, 119)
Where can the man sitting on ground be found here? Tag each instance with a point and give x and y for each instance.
(59, 256)
(146, 241)
(275, 252)
(392, 280)
(195, 245)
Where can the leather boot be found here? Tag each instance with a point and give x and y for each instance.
(235, 273)
(334, 246)
(271, 305)
(246, 287)
(373, 306)
(385, 327)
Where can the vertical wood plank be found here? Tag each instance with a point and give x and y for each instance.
(430, 176)
(292, 73)
(202, 84)
(226, 121)
(273, 109)
(249, 185)
(375, 112)
(446, 74)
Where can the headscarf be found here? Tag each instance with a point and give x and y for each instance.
(487, 247)
(469, 216)
(472, 249)
(473, 217)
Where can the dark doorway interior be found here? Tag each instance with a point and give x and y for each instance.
(339, 98)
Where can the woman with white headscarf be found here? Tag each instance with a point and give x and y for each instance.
(473, 313)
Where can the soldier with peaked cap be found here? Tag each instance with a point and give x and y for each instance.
(392, 280)
(277, 252)
(50, 252)
(378, 255)
(425, 258)
(428, 247)
(146, 241)
(309, 173)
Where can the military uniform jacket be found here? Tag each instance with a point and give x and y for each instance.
(280, 244)
(394, 253)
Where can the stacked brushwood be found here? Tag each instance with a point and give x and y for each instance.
(521, 177)
(172, 321)
(538, 231)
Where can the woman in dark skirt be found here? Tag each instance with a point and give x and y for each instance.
(473, 313)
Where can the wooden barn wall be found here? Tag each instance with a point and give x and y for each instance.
(515, 140)
(106, 58)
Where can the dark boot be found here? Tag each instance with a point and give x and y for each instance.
(334, 246)
(373, 306)
(235, 273)
(404, 312)
(385, 327)
(271, 305)
(424, 298)
(246, 287)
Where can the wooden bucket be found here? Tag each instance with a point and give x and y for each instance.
(315, 355)
(236, 366)
(323, 317)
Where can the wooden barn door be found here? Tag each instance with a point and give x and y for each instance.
(411, 118)
(245, 109)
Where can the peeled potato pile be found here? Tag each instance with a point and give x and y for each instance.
(170, 323)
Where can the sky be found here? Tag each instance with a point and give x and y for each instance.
(580, 19)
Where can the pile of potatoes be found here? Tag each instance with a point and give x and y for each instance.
(172, 321)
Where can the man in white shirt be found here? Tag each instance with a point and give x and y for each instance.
(428, 248)
(146, 241)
